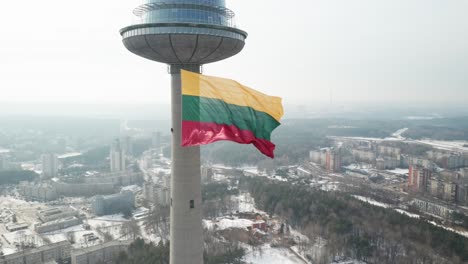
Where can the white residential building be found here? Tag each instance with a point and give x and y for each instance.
(49, 166)
(103, 253)
(117, 157)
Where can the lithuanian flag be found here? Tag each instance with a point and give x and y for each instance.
(215, 109)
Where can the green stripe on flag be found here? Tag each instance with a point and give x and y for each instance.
(204, 109)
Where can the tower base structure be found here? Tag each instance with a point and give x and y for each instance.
(186, 232)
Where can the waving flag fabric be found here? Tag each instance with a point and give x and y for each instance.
(216, 109)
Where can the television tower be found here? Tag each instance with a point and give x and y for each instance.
(184, 34)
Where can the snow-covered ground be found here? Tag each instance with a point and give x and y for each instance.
(140, 210)
(70, 155)
(25, 211)
(12, 202)
(72, 229)
(359, 166)
(82, 238)
(330, 186)
(74, 200)
(220, 177)
(111, 224)
(446, 145)
(399, 132)
(298, 236)
(279, 178)
(160, 170)
(251, 170)
(349, 262)
(76, 165)
(25, 236)
(463, 233)
(132, 188)
(423, 117)
(399, 171)
(407, 213)
(371, 201)
(269, 255)
(55, 238)
(438, 144)
(8, 250)
(5, 214)
(112, 218)
(96, 223)
(379, 204)
(221, 166)
(356, 138)
(148, 236)
(3, 150)
(246, 202)
(225, 223)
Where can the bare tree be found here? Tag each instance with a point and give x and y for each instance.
(107, 236)
(131, 229)
(71, 237)
(158, 221)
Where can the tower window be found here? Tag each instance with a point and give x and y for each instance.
(192, 204)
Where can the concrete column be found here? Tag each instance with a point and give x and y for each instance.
(186, 212)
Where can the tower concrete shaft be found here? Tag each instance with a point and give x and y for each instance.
(186, 203)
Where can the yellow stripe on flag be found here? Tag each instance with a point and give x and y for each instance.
(231, 92)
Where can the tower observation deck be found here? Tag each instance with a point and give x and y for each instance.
(184, 34)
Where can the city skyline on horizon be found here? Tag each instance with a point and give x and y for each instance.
(362, 52)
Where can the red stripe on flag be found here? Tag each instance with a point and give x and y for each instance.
(202, 133)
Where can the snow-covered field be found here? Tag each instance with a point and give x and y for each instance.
(399, 132)
(269, 255)
(8, 250)
(96, 223)
(246, 203)
(112, 218)
(225, 223)
(111, 224)
(82, 241)
(23, 237)
(445, 145)
(25, 211)
(55, 238)
(13, 203)
(371, 201)
(399, 171)
(438, 144)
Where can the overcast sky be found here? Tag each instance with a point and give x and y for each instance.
(362, 50)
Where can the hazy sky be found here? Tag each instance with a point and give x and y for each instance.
(362, 50)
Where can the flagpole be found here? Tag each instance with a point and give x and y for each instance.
(186, 233)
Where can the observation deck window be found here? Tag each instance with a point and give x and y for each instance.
(185, 13)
